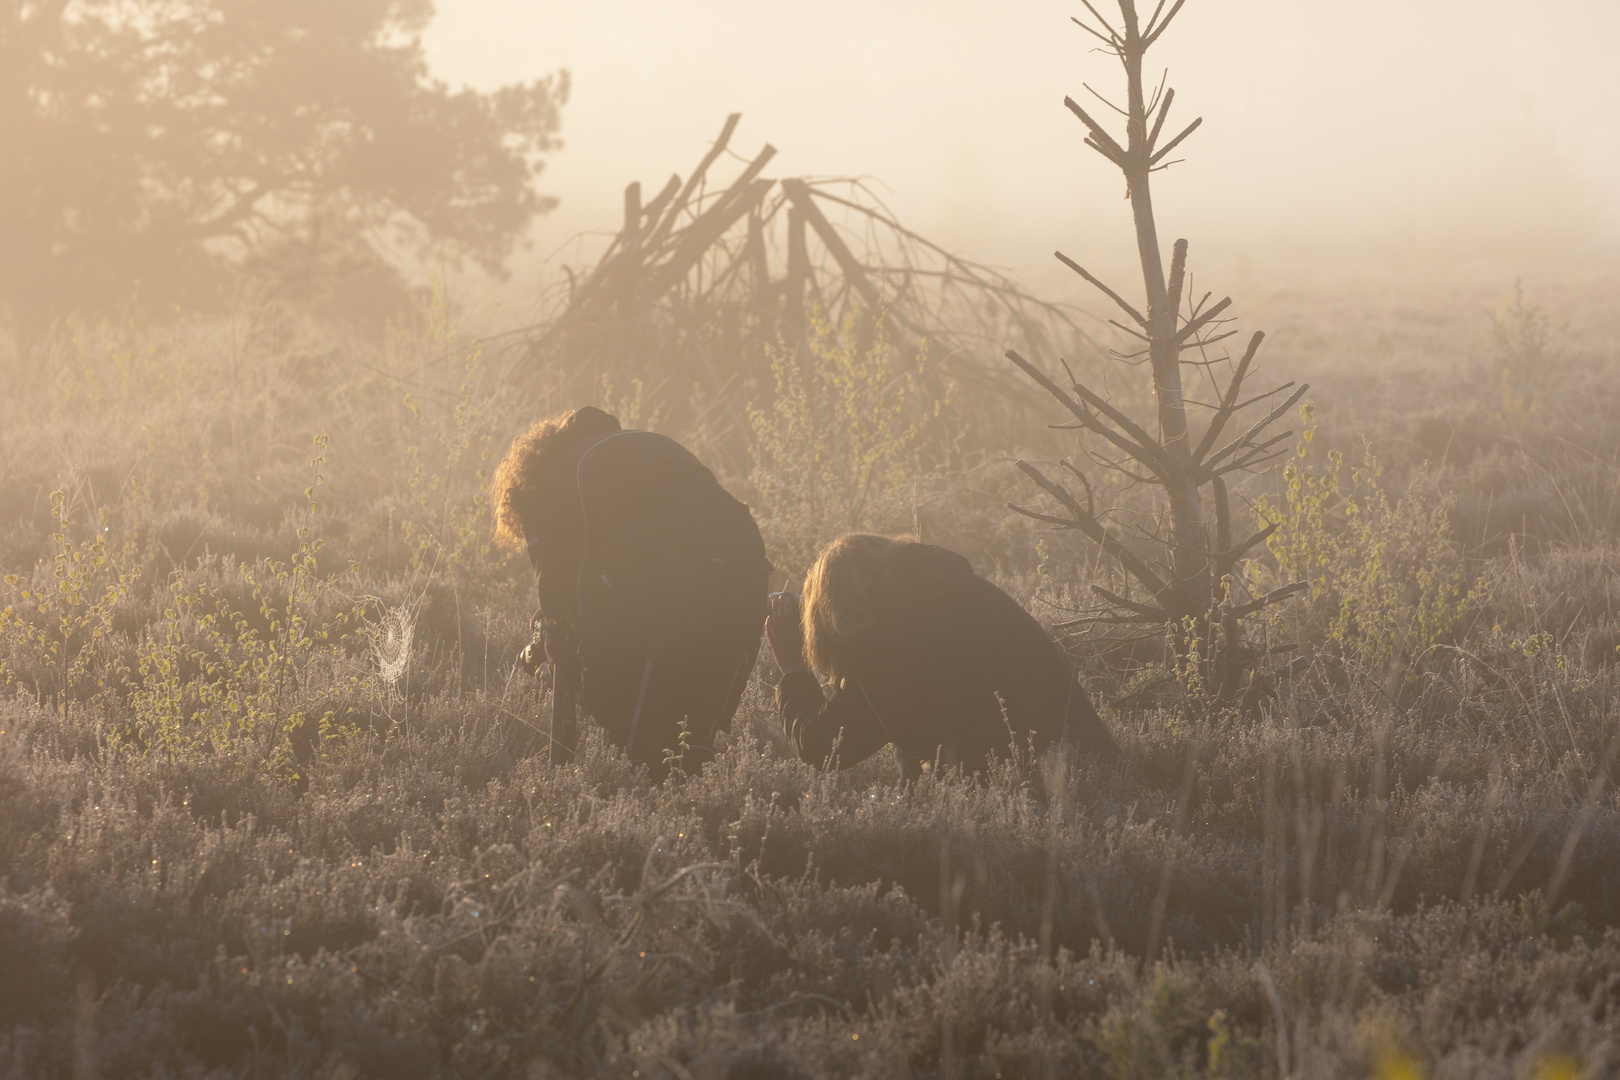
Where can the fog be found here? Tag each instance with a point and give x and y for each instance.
(1379, 132)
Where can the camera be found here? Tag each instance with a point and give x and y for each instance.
(797, 601)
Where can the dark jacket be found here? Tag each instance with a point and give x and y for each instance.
(639, 548)
(953, 668)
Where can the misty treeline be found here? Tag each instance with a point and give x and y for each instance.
(270, 801)
(197, 152)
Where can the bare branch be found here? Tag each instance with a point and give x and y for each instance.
(1164, 110)
(1118, 465)
(1068, 371)
(1153, 17)
(1112, 43)
(1079, 410)
(1231, 555)
(1223, 522)
(799, 193)
(1272, 597)
(1085, 483)
(1093, 529)
(1203, 320)
(1106, 25)
(743, 197)
(1153, 32)
(1152, 456)
(1134, 566)
(632, 214)
(1256, 455)
(661, 228)
(1105, 101)
(1228, 401)
(1173, 143)
(1052, 488)
(1110, 620)
(1146, 454)
(1036, 515)
(1131, 605)
(1095, 145)
(651, 211)
(1134, 333)
(1110, 293)
(1178, 274)
(1158, 94)
(1110, 149)
(1204, 343)
(1273, 392)
(1265, 421)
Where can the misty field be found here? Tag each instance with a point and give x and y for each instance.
(1337, 557)
(273, 805)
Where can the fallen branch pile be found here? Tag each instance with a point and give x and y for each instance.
(704, 279)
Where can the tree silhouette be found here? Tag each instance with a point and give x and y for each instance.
(1189, 582)
(146, 144)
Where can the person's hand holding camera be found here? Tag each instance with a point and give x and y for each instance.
(785, 633)
(533, 660)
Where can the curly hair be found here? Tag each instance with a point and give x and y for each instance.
(522, 472)
(840, 593)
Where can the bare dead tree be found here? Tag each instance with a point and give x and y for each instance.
(1191, 587)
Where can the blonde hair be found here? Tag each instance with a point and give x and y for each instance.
(523, 471)
(840, 594)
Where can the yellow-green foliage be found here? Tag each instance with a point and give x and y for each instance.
(59, 626)
(1166, 1032)
(840, 448)
(213, 676)
(1387, 574)
(1192, 666)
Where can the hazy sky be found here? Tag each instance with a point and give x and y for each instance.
(1381, 126)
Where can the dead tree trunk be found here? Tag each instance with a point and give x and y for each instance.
(1189, 538)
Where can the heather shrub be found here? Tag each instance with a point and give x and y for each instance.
(55, 629)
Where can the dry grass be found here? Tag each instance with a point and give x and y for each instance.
(1355, 881)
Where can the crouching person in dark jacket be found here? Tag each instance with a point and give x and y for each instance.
(652, 581)
(923, 655)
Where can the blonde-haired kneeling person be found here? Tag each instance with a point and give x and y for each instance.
(921, 654)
